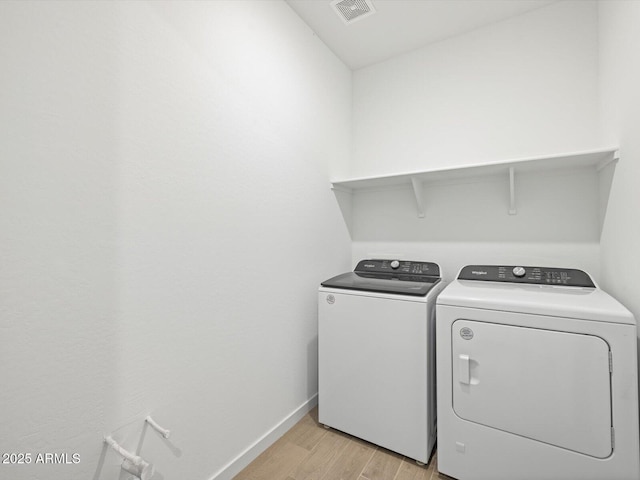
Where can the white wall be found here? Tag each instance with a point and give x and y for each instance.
(551, 206)
(166, 220)
(619, 23)
(523, 87)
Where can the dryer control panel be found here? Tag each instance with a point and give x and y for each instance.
(531, 275)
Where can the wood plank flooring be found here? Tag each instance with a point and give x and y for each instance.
(311, 452)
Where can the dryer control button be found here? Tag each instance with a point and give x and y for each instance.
(519, 272)
(395, 264)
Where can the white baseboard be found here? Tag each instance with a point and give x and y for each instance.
(245, 458)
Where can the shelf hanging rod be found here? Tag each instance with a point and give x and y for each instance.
(162, 431)
(512, 192)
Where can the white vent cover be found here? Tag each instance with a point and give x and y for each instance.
(351, 10)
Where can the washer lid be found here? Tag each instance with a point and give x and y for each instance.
(389, 276)
(556, 301)
(366, 282)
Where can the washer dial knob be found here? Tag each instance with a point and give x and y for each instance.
(519, 272)
(395, 264)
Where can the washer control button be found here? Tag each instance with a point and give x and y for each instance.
(395, 264)
(519, 272)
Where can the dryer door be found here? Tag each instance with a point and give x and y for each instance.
(549, 386)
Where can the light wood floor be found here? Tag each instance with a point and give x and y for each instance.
(311, 452)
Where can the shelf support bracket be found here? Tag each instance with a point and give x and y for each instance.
(419, 194)
(512, 191)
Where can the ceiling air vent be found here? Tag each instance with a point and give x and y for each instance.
(352, 10)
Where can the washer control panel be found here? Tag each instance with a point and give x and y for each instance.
(398, 266)
(532, 275)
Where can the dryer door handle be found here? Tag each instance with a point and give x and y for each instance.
(464, 373)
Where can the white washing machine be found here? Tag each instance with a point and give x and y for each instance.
(376, 354)
(537, 377)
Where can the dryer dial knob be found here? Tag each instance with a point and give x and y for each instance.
(519, 272)
(395, 264)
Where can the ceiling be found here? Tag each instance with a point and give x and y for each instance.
(399, 26)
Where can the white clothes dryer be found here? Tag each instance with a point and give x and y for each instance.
(376, 339)
(537, 377)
